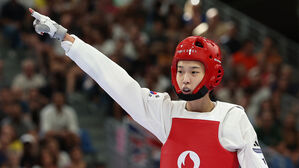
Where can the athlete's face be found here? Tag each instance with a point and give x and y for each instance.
(189, 75)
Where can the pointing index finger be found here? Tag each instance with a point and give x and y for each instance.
(31, 10)
(35, 14)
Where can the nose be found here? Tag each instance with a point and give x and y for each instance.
(186, 79)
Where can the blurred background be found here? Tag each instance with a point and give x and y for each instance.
(53, 115)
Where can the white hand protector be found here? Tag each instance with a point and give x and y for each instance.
(44, 24)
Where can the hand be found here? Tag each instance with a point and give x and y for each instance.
(44, 24)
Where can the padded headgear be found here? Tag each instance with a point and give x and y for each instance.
(196, 48)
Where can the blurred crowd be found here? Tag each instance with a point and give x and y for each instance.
(38, 126)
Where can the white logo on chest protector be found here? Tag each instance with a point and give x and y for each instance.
(193, 156)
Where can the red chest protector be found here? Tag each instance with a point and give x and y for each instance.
(194, 143)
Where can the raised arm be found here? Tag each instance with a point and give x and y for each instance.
(110, 76)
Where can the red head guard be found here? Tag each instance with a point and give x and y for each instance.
(196, 48)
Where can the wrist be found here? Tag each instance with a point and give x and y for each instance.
(67, 37)
(60, 32)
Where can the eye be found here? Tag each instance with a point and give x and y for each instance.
(180, 71)
(194, 72)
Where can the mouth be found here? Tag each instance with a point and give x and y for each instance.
(186, 90)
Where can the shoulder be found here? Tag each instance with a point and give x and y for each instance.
(234, 112)
(20, 76)
(156, 95)
(236, 118)
(47, 109)
(48, 112)
(38, 77)
(68, 109)
(230, 109)
(158, 102)
(230, 105)
(152, 96)
(235, 123)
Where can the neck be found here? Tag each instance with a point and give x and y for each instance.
(203, 104)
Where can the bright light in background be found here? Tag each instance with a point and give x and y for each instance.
(187, 16)
(212, 12)
(195, 2)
